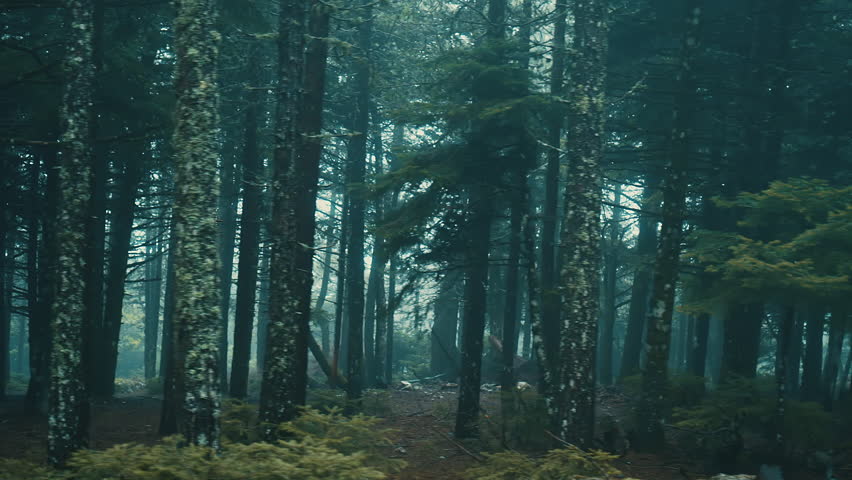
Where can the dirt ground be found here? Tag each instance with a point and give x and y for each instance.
(422, 420)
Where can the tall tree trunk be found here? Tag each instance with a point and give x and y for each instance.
(294, 188)
(69, 403)
(41, 262)
(263, 307)
(646, 247)
(443, 352)
(519, 209)
(477, 246)
(787, 322)
(356, 159)
(168, 412)
(249, 235)
(6, 265)
(812, 368)
(341, 347)
(376, 305)
(741, 337)
(549, 294)
(96, 346)
(397, 140)
(610, 280)
(153, 291)
(197, 319)
(698, 362)
(119, 249)
(580, 249)
(794, 357)
(832, 360)
(229, 193)
(653, 406)
(326, 279)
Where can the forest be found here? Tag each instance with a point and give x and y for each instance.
(424, 239)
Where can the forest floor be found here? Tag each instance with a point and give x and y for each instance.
(421, 419)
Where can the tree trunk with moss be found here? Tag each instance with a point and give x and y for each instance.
(294, 188)
(549, 293)
(249, 236)
(356, 157)
(196, 315)
(153, 292)
(580, 249)
(653, 407)
(68, 401)
(120, 242)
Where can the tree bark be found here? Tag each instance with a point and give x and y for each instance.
(477, 247)
(698, 362)
(580, 249)
(229, 193)
(832, 360)
(296, 158)
(646, 247)
(6, 264)
(95, 254)
(249, 235)
(611, 261)
(153, 291)
(168, 412)
(119, 249)
(68, 402)
(812, 367)
(356, 162)
(549, 294)
(41, 262)
(197, 320)
(653, 408)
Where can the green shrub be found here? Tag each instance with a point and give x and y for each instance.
(746, 408)
(307, 459)
(567, 463)
(346, 435)
(12, 469)
(130, 385)
(319, 446)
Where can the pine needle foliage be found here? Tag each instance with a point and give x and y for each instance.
(745, 408)
(569, 463)
(319, 446)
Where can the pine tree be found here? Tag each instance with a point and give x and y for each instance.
(653, 408)
(196, 315)
(580, 249)
(68, 405)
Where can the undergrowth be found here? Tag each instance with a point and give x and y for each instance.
(318, 446)
(569, 463)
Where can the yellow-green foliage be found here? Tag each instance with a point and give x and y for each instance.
(568, 463)
(346, 435)
(239, 422)
(292, 460)
(130, 384)
(320, 446)
(12, 469)
(808, 255)
(748, 405)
